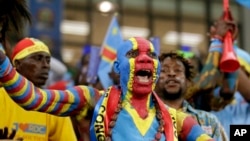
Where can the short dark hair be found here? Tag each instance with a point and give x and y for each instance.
(189, 68)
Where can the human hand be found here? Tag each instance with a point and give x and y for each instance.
(226, 23)
(4, 133)
(219, 29)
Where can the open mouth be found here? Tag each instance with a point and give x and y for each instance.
(172, 82)
(144, 75)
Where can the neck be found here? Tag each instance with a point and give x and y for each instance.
(176, 104)
(141, 105)
(39, 86)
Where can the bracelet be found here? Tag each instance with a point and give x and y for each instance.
(215, 46)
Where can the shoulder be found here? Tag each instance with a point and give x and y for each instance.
(206, 115)
(201, 115)
(179, 115)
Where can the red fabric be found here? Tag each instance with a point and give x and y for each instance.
(60, 85)
(168, 126)
(113, 100)
(25, 43)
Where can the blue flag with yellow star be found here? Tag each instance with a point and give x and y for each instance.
(109, 47)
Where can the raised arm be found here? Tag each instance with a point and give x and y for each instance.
(211, 76)
(75, 100)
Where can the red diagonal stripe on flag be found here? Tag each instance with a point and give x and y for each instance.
(108, 54)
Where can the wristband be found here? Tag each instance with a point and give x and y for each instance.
(215, 46)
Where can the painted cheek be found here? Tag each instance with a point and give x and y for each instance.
(131, 76)
(126, 70)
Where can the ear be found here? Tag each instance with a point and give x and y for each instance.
(116, 67)
(17, 64)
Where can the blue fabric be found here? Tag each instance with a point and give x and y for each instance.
(112, 41)
(236, 113)
(194, 133)
(95, 114)
(4, 65)
(242, 54)
(231, 79)
(93, 65)
(124, 120)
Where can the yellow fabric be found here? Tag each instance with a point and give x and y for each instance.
(34, 126)
(177, 129)
(203, 137)
(244, 64)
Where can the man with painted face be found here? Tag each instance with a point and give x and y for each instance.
(176, 74)
(131, 111)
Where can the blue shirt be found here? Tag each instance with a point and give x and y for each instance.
(236, 113)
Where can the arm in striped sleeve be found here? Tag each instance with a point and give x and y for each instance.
(189, 129)
(68, 102)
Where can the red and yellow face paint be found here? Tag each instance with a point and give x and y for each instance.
(142, 62)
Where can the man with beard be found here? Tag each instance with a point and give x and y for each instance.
(176, 74)
(129, 112)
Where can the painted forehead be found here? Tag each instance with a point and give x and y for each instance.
(133, 44)
(141, 44)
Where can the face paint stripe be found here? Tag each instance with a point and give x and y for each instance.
(156, 64)
(131, 77)
(134, 42)
(152, 49)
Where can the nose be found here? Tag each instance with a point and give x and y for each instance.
(45, 63)
(171, 73)
(144, 58)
